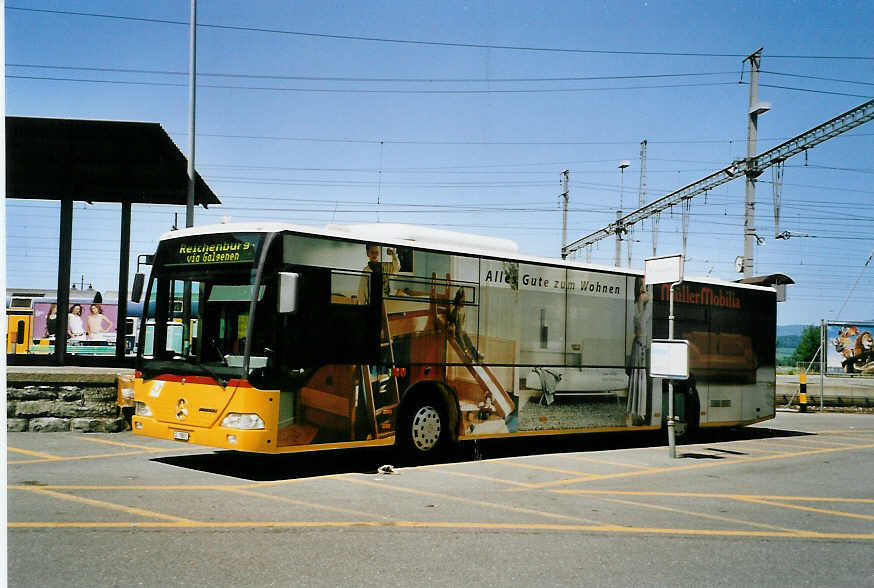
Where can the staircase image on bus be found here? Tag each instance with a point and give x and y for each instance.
(302, 339)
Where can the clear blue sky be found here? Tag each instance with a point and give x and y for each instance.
(470, 138)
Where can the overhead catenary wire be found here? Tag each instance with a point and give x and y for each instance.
(855, 284)
(393, 79)
(418, 80)
(400, 41)
(429, 91)
(241, 200)
(370, 91)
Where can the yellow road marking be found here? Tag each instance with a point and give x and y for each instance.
(291, 481)
(702, 515)
(479, 477)
(837, 513)
(103, 504)
(77, 457)
(747, 442)
(44, 456)
(856, 437)
(48, 457)
(699, 466)
(818, 441)
(608, 462)
(172, 486)
(494, 505)
(543, 468)
(242, 488)
(368, 515)
(121, 444)
(715, 495)
(451, 525)
(130, 487)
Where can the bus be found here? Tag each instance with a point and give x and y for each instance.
(350, 336)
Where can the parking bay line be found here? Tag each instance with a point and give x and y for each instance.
(596, 528)
(856, 437)
(816, 441)
(543, 468)
(122, 444)
(101, 503)
(716, 495)
(826, 511)
(140, 487)
(609, 462)
(755, 449)
(302, 502)
(44, 456)
(695, 466)
(765, 500)
(78, 457)
(479, 477)
(498, 506)
(701, 514)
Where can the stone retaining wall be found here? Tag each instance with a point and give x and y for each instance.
(63, 399)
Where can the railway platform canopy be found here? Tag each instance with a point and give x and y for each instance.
(76, 160)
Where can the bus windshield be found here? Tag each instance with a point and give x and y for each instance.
(208, 335)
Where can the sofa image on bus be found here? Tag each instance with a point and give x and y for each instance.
(717, 356)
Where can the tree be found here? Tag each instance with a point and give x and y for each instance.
(808, 346)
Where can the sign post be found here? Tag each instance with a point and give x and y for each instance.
(670, 356)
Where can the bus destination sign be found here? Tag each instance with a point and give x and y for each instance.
(228, 249)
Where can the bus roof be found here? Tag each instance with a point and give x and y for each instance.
(401, 235)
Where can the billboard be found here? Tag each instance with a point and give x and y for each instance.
(86, 322)
(850, 348)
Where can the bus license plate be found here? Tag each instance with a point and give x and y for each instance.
(180, 435)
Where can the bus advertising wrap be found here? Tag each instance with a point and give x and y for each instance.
(432, 345)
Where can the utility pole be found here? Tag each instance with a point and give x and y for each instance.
(686, 206)
(755, 109)
(189, 207)
(192, 100)
(564, 195)
(641, 193)
(618, 253)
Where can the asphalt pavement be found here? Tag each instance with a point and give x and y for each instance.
(785, 502)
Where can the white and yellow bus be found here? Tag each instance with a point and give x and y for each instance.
(390, 334)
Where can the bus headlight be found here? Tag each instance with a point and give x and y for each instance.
(143, 410)
(236, 420)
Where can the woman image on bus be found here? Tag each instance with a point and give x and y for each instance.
(636, 366)
(98, 324)
(52, 321)
(75, 327)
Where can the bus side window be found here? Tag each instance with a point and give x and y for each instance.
(349, 287)
(331, 326)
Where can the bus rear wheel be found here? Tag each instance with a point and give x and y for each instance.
(424, 432)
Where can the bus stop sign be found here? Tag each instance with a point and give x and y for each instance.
(669, 358)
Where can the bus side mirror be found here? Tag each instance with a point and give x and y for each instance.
(19, 335)
(288, 292)
(137, 289)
